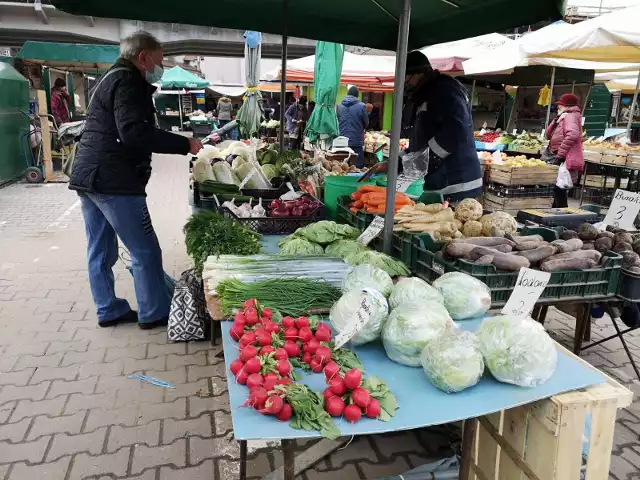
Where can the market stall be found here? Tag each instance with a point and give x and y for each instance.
(176, 98)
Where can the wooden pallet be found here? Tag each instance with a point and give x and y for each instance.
(543, 440)
(611, 159)
(593, 156)
(513, 205)
(633, 161)
(598, 181)
(523, 175)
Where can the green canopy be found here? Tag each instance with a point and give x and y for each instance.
(356, 22)
(177, 77)
(71, 57)
(323, 124)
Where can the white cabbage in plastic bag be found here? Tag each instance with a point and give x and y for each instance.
(517, 350)
(453, 361)
(409, 328)
(368, 276)
(344, 311)
(464, 296)
(413, 290)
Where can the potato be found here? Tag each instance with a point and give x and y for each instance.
(603, 244)
(587, 232)
(630, 259)
(622, 237)
(588, 246)
(622, 247)
(568, 235)
(610, 235)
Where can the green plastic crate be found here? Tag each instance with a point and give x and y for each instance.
(360, 220)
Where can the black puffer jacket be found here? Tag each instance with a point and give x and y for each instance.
(114, 154)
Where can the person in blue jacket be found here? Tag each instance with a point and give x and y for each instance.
(437, 107)
(353, 120)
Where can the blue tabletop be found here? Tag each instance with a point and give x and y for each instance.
(421, 404)
(270, 243)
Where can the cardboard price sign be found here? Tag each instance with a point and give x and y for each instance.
(404, 182)
(623, 210)
(372, 231)
(370, 299)
(529, 286)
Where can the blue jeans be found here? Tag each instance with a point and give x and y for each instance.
(126, 216)
(360, 158)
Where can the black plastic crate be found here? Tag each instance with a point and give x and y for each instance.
(518, 191)
(402, 246)
(570, 218)
(629, 286)
(360, 220)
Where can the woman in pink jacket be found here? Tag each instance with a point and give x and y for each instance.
(565, 142)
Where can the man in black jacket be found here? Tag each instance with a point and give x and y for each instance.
(111, 170)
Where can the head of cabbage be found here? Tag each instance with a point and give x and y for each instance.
(344, 248)
(413, 290)
(517, 350)
(409, 328)
(464, 296)
(453, 361)
(344, 311)
(368, 276)
(300, 246)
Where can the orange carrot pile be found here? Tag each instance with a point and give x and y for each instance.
(372, 199)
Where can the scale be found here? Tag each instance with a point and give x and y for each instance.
(558, 217)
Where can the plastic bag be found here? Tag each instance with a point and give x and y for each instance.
(344, 310)
(517, 350)
(416, 164)
(368, 276)
(413, 290)
(564, 178)
(464, 296)
(453, 361)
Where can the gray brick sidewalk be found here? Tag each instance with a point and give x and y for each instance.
(68, 410)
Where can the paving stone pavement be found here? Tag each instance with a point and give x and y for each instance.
(68, 410)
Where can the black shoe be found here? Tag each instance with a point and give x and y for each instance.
(130, 317)
(163, 322)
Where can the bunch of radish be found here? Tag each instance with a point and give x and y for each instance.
(346, 397)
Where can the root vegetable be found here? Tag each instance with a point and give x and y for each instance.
(263, 338)
(603, 244)
(353, 378)
(291, 334)
(285, 413)
(331, 369)
(283, 367)
(316, 365)
(373, 410)
(528, 245)
(307, 357)
(484, 260)
(338, 386)
(292, 348)
(590, 254)
(361, 397)
(247, 353)
(334, 406)
(302, 322)
(323, 335)
(576, 263)
(267, 349)
(537, 254)
(305, 334)
(281, 354)
(247, 339)
(255, 380)
(622, 247)
(524, 238)
(313, 345)
(242, 377)
(252, 365)
(503, 248)
(236, 332)
(273, 405)
(323, 354)
(236, 366)
(503, 261)
(458, 249)
(328, 394)
(352, 413)
(568, 235)
(566, 246)
(240, 318)
(288, 322)
(257, 397)
(486, 241)
(270, 383)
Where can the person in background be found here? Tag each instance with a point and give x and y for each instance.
(353, 121)
(299, 114)
(437, 106)
(374, 118)
(290, 115)
(111, 170)
(565, 143)
(60, 102)
(312, 106)
(224, 111)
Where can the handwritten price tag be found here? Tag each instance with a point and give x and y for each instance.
(404, 182)
(372, 231)
(623, 210)
(370, 299)
(529, 286)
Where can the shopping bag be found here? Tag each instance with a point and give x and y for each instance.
(564, 178)
(188, 316)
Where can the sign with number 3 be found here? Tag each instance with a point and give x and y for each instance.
(623, 210)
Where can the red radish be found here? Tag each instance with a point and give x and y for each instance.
(250, 303)
(334, 406)
(271, 375)
(373, 410)
(255, 380)
(353, 379)
(323, 354)
(236, 366)
(264, 338)
(313, 345)
(305, 334)
(352, 413)
(306, 358)
(285, 381)
(248, 352)
(240, 318)
(291, 334)
(285, 413)
(248, 338)
(242, 377)
(331, 370)
(273, 405)
(252, 365)
(281, 354)
(302, 322)
(337, 386)
(292, 348)
(238, 325)
(323, 326)
(283, 367)
(251, 314)
(273, 327)
(316, 365)
(236, 332)
(267, 349)
(361, 397)
(328, 394)
(288, 322)
(323, 335)
(267, 313)
(270, 383)
(257, 397)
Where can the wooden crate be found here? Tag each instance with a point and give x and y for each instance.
(612, 159)
(593, 156)
(543, 440)
(513, 205)
(523, 175)
(633, 161)
(598, 181)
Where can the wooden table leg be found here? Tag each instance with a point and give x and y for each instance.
(583, 317)
(288, 457)
(468, 434)
(587, 330)
(243, 460)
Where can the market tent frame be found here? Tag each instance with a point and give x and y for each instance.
(70, 57)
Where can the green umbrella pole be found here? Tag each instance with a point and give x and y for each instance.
(396, 125)
(283, 75)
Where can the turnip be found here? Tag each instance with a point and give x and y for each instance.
(267, 349)
(252, 365)
(291, 334)
(247, 353)
(316, 365)
(236, 332)
(323, 354)
(361, 397)
(288, 322)
(323, 335)
(283, 367)
(331, 369)
(285, 413)
(240, 318)
(267, 313)
(292, 348)
(306, 357)
(353, 378)
(273, 405)
(313, 345)
(252, 302)
(242, 377)
(373, 410)
(236, 366)
(255, 380)
(281, 354)
(334, 406)
(302, 322)
(352, 413)
(337, 386)
(257, 397)
(305, 334)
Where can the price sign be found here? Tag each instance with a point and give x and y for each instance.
(404, 182)
(370, 299)
(372, 231)
(529, 286)
(623, 210)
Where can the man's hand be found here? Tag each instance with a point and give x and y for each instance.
(380, 167)
(195, 146)
(214, 138)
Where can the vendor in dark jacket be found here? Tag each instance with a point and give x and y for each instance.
(438, 109)
(353, 120)
(111, 171)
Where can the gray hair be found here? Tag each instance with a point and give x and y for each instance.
(131, 46)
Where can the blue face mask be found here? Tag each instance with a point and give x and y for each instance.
(155, 76)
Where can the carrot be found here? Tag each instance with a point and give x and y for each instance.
(357, 204)
(371, 188)
(353, 210)
(356, 195)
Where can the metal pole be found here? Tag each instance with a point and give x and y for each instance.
(396, 124)
(633, 107)
(573, 87)
(283, 75)
(553, 80)
(180, 110)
